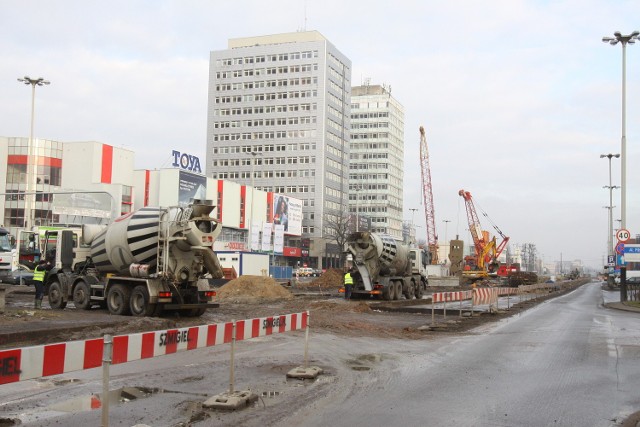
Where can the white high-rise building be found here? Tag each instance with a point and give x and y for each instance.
(279, 110)
(376, 166)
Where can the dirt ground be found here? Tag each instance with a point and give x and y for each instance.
(245, 298)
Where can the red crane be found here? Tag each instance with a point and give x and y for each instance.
(427, 195)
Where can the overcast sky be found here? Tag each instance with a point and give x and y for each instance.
(518, 98)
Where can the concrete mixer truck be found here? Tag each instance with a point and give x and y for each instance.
(143, 263)
(383, 267)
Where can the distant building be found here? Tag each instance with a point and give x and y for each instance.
(278, 118)
(96, 179)
(376, 158)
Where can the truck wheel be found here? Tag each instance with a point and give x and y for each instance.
(139, 302)
(118, 300)
(197, 312)
(387, 293)
(55, 296)
(398, 290)
(419, 290)
(411, 291)
(82, 296)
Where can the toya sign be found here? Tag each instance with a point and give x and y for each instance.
(186, 161)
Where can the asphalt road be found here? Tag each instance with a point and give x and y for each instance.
(567, 362)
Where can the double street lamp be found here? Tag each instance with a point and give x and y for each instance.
(29, 202)
(623, 40)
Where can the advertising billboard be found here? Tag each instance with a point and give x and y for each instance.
(287, 211)
(191, 186)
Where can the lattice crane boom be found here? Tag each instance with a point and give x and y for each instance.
(479, 240)
(427, 195)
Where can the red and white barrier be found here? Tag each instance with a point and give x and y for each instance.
(53, 359)
(450, 296)
(483, 296)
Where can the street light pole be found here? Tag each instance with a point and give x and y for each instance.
(253, 167)
(611, 187)
(446, 222)
(29, 203)
(623, 40)
(412, 230)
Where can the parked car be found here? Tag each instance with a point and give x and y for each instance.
(306, 272)
(21, 276)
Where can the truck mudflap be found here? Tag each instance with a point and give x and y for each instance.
(172, 306)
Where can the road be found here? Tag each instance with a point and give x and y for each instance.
(567, 362)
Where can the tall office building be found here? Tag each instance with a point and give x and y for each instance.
(376, 167)
(278, 119)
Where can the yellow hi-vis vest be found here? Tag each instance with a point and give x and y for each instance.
(348, 280)
(38, 274)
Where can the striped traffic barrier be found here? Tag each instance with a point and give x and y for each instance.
(20, 364)
(445, 297)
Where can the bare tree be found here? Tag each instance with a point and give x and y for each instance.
(337, 227)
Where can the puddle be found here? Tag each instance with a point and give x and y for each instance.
(94, 401)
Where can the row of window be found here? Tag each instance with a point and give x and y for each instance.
(271, 71)
(14, 217)
(307, 54)
(280, 121)
(236, 149)
(370, 115)
(270, 96)
(266, 135)
(374, 135)
(267, 161)
(368, 166)
(297, 81)
(265, 109)
(17, 174)
(41, 148)
(375, 125)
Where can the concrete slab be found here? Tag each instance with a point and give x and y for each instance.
(231, 401)
(300, 372)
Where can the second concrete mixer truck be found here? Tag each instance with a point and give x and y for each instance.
(385, 267)
(143, 263)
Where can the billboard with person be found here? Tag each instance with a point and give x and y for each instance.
(287, 212)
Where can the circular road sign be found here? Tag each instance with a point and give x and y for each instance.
(620, 248)
(623, 235)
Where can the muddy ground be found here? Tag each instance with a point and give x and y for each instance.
(250, 297)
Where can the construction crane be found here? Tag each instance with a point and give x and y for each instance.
(427, 195)
(486, 250)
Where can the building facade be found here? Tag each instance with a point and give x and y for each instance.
(278, 119)
(52, 183)
(376, 159)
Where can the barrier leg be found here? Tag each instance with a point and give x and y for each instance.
(305, 371)
(433, 313)
(107, 350)
(444, 309)
(472, 291)
(460, 308)
(233, 351)
(306, 342)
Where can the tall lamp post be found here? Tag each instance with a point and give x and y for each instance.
(254, 154)
(611, 187)
(412, 230)
(623, 40)
(446, 222)
(29, 202)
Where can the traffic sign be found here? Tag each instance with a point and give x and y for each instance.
(620, 248)
(623, 235)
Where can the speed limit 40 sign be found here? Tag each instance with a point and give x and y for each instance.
(623, 235)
